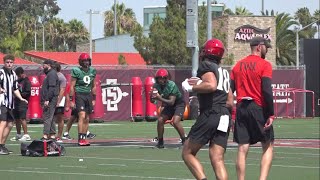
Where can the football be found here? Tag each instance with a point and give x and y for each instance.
(154, 92)
(193, 80)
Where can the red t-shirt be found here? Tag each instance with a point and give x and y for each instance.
(247, 75)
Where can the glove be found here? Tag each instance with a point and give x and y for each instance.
(186, 86)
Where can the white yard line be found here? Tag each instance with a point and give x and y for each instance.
(88, 174)
(94, 124)
(121, 165)
(32, 168)
(65, 166)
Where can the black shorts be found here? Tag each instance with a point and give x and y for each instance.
(6, 114)
(205, 129)
(20, 112)
(59, 110)
(249, 124)
(84, 102)
(177, 109)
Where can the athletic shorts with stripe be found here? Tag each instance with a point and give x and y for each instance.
(249, 124)
(205, 128)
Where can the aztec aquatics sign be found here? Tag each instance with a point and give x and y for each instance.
(247, 32)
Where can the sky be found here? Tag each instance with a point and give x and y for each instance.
(77, 9)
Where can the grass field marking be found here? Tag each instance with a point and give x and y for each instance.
(88, 174)
(285, 166)
(32, 168)
(127, 159)
(165, 161)
(76, 124)
(275, 151)
(171, 127)
(120, 165)
(154, 163)
(66, 166)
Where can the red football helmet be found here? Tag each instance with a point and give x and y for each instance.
(162, 76)
(84, 57)
(162, 73)
(213, 47)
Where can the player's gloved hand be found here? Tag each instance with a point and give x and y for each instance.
(186, 86)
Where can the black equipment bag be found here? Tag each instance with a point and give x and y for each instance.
(38, 148)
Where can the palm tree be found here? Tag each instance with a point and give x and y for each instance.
(126, 20)
(316, 17)
(240, 11)
(56, 34)
(285, 43)
(228, 11)
(272, 13)
(76, 32)
(304, 17)
(15, 44)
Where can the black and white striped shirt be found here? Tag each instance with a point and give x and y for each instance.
(8, 82)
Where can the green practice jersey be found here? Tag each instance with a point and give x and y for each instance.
(170, 89)
(85, 80)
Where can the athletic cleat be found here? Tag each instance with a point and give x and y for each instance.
(16, 138)
(3, 151)
(25, 137)
(159, 146)
(66, 136)
(9, 151)
(83, 142)
(91, 136)
(154, 139)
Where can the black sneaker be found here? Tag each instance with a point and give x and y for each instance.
(159, 146)
(10, 152)
(155, 139)
(3, 151)
(91, 136)
(66, 137)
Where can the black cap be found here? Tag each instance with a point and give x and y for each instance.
(48, 61)
(260, 40)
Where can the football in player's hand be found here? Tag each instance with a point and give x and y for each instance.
(154, 92)
(193, 80)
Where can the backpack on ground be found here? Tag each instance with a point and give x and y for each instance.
(39, 148)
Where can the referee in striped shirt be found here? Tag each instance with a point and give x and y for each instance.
(8, 89)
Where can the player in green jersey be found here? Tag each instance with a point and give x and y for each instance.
(173, 104)
(83, 87)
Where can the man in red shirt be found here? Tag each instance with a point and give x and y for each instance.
(251, 79)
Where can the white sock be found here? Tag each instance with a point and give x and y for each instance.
(65, 133)
(88, 132)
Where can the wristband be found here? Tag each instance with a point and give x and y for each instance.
(94, 97)
(71, 98)
(199, 82)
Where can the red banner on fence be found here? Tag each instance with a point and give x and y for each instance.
(117, 100)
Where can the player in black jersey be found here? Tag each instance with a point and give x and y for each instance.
(215, 100)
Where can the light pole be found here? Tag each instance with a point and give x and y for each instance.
(35, 36)
(297, 41)
(90, 12)
(115, 18)
(43, 40)
(209, 23)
